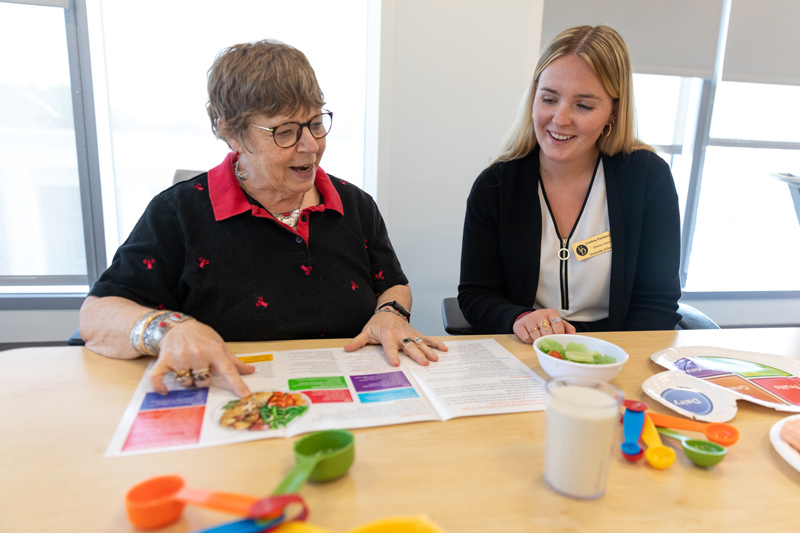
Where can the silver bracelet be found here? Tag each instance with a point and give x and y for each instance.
(151, 328)
(158, 327)
(137, 333)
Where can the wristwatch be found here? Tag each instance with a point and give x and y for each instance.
(397, 307)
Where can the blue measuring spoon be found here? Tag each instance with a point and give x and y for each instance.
(632, 424)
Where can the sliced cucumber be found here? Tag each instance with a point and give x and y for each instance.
(578, 357)
(600, 359)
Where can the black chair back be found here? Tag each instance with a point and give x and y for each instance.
(456, 324)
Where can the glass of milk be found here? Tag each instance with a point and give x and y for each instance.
(582, 417)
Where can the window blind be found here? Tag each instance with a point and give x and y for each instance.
(669, 37)
(763, 42)
(48, 3)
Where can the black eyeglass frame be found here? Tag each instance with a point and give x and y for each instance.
(299, 129)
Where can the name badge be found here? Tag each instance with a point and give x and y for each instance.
(599, 244)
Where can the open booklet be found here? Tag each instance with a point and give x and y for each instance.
(311, 390)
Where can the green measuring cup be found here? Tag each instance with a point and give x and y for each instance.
(701, 452)
(319, 457)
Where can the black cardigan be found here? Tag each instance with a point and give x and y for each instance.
(503, 232)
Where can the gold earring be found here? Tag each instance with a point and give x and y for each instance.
(606, 134)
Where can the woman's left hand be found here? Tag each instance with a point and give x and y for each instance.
(395, 334)
(539, 323)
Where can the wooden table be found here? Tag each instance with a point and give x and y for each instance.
(60, 406)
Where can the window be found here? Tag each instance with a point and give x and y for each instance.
(665, 121)
(41, 228)
(39, 178)
(745, 220)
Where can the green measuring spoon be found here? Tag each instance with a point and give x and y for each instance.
(701, 452)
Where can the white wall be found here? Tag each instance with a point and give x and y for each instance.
(37, 326)
(452, 74)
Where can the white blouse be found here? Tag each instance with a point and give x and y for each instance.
(587, 282)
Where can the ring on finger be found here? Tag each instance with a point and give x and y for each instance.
(407, 340)
(202, 374)
(544, 324)
(417, 340)
(556, 319)
(183, 375)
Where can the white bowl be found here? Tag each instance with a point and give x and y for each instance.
(558, 367)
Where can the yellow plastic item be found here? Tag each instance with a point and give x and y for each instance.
(397, 524)
(658, 455)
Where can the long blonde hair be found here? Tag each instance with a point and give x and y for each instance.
(607, 55)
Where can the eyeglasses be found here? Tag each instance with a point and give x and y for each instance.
(287, 135)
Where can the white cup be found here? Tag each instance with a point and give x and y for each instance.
(582, 416)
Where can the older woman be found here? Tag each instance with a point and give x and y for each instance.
(264, 246)
(576, 224)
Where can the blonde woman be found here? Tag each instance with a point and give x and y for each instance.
(576, 225)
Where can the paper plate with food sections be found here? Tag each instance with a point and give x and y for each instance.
(784, 449)
(691, 397)
(715, 378)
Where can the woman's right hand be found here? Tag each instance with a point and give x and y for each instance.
(531, 326)
(192, 348)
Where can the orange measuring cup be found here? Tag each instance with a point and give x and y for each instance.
(719, 432)
(159, 501)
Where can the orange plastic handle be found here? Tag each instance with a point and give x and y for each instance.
(718, 432)
(230, 502)
(650, 435)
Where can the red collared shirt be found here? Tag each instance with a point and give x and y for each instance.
(228, 199)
